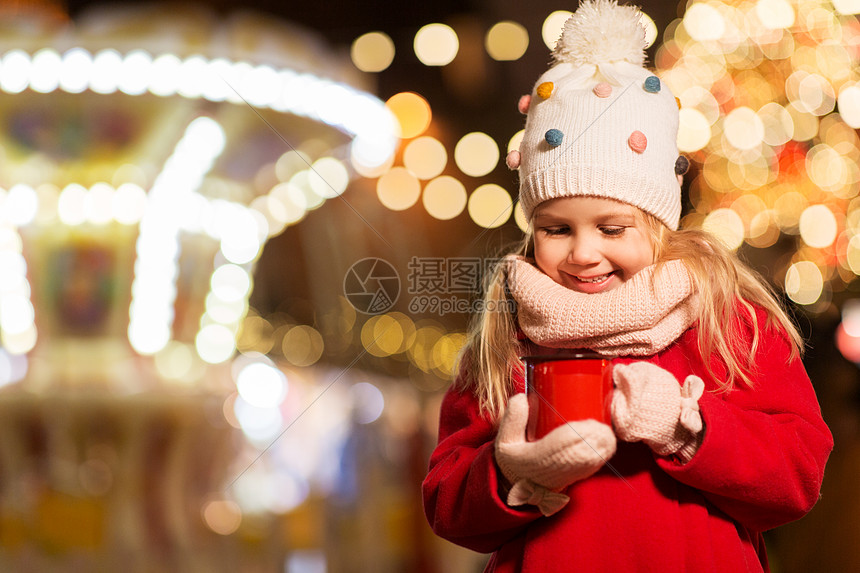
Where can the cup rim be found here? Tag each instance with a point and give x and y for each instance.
(576, 355)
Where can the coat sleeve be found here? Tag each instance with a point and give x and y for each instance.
(461, 490)
(764, 450)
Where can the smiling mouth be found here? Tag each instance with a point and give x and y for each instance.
(597, 279)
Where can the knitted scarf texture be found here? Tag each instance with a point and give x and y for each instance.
(640, 317)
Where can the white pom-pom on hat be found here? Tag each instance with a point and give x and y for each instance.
(602, 32)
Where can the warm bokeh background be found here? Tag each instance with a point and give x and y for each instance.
(231, 298)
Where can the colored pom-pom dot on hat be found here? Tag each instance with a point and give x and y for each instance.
(513, 159)
(637, 141)
(524, 103)
(554, 137)
(652, 84)
(602, 90)
(545, 90)
(682, 164)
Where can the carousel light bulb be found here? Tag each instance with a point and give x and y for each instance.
(99, 204)
(16, 314)
(45, 72)
(71, 206)
(135, 73)
(166, 75)
(328, 177)
(230, 282)
(262, 385)
(107, 65)
(76, 70)
(129, 204)
(261, 87)
(219, 79)
(215, 343)
(16, 67)
(193, 76)
(21, 206)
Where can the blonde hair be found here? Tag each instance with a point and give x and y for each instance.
(727, 289)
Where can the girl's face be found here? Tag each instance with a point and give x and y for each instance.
(590, 244)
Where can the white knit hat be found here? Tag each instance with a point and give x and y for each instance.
(599, 123)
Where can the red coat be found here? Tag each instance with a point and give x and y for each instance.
(760, 465)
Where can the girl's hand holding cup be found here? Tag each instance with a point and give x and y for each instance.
(539, 470)
(649, 405)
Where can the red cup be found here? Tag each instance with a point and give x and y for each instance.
(567, 387)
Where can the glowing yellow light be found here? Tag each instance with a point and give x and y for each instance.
(805, 124)
(444, 197)
(743, 128)
(788, 208)
(775, 14)
(407, 327)
(421, 351)
(552, 27)
(436, 44)
(18, 343)
(853, 255)
(372, 52)
(826, 167)
(704, 22)
(476, 154)
(382, 335)
(702, 100)
(174, 361)
(223, 516)
(516, 140)
(803, 282)
(694, 131)
(302, 345)
(778, 126)
(727, 226)
(847, 7)
(412, 112)
(328, 177)
(215, 343)
(520, 218)
(818, 226)
(651, 31)
(445, 352)
(816, 95)
(507, 41)
(849, 104)
(398, 189)
(425, 157)
(490, 206)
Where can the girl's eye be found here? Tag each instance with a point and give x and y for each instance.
(612, 231)
(554, 230)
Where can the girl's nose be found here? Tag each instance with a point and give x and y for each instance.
(583, 251)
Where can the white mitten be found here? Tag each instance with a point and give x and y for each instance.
(539, 470)
(649, 405)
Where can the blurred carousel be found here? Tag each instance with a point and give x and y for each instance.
(146, 156)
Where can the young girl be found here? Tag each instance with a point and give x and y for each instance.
(716, 432)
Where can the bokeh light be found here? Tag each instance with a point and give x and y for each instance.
(372, 52)
(444, 197)
(552, 26)
(804, 282)
(398, 189)
(506, 41)
(412, 112)
(490, 205)
(436, 44)
(425, 157)
(476, 154)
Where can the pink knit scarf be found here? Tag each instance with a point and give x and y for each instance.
(641, 317)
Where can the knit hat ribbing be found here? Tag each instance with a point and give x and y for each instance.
(598, 123)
